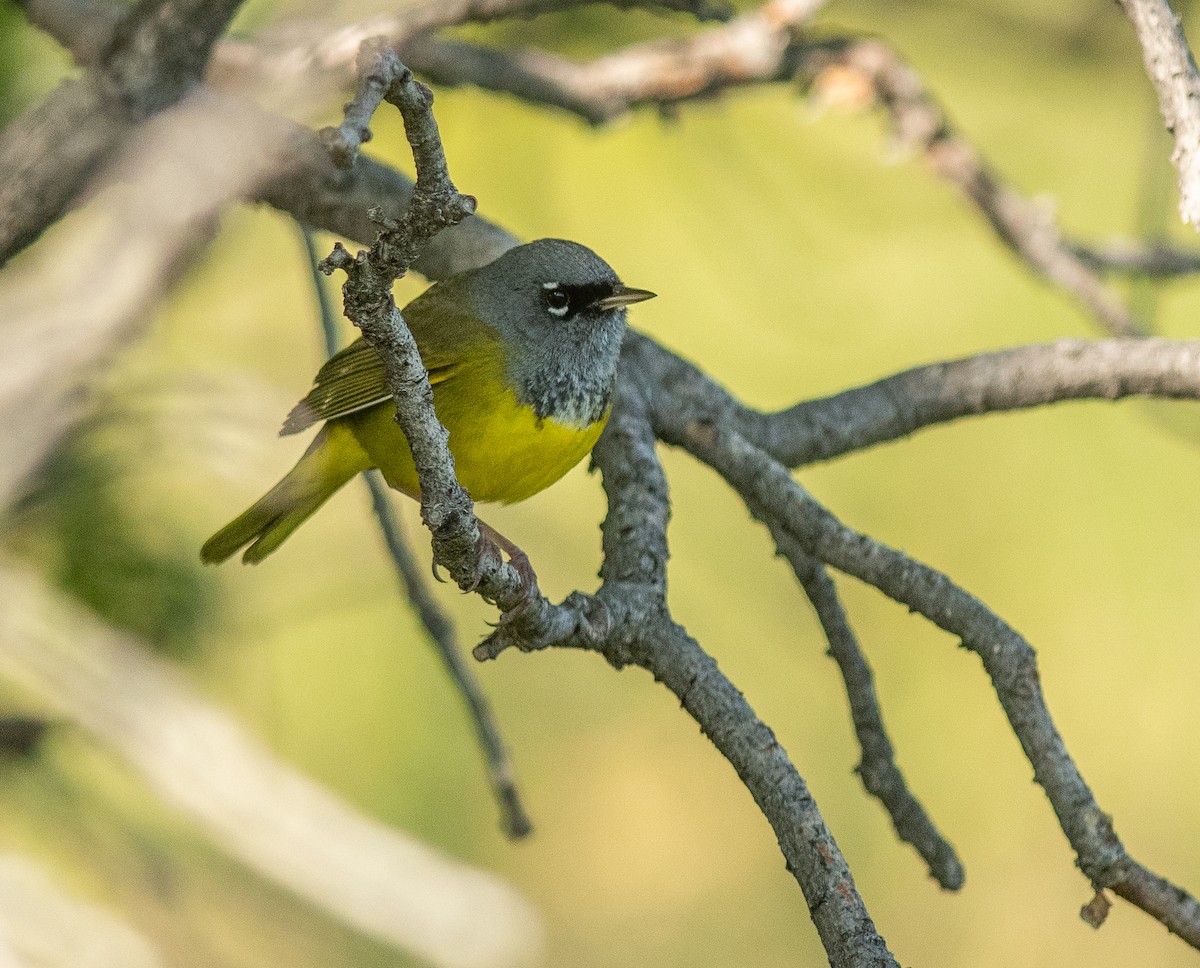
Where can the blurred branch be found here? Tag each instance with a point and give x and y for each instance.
(501, 774)
(156, 53)
(878, 769)
(278, 822)
(22, 735)
(1172, 70)
(303, 182)
(48, 154)
(300, 51)
(1155, 260)
(311, 188)
(42, 926)
(1025, 226)
(756, 47)
(67, 309)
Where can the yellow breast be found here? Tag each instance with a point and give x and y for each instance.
(503, 452)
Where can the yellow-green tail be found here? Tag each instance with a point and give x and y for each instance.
(331, 460)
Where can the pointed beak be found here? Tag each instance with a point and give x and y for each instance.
(623, 296)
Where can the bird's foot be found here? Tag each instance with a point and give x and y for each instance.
(521, 565)
(516, 557)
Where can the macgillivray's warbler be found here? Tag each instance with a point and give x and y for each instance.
(522, 357)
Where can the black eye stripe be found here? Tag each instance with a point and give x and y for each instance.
(573, 297)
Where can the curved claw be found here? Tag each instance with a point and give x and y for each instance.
(507, 618)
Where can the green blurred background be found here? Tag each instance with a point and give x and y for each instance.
(794, 255)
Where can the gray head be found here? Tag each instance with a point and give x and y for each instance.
(560, 309)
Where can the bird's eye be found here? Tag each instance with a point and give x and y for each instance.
(557, 301)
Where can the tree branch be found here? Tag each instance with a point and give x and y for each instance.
(636, 629)
(1172, 70)
(878, 770)
(756, 47)
(501, 774)
(154, 56)
(473, 562)
(296, 50)
(774, 497)
(899, 405)
(1006, 380)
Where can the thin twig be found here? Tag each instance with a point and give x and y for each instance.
(500, 772)
(878, 769)
(1151, 260)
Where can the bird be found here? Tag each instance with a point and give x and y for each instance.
(522, 359)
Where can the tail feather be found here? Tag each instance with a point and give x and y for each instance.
(331, 460)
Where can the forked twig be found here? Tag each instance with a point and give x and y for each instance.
(473, 561)
(773, 496)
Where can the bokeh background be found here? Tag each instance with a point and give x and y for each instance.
(795, 254)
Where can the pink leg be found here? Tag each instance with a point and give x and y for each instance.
(516, 557)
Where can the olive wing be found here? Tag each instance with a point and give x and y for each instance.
(354, 379)
(351, 380)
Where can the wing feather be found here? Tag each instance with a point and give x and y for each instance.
(354, 378)
(351, 380)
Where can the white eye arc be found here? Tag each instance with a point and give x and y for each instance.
(557, 301)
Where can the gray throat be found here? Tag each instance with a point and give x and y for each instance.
(573, 384)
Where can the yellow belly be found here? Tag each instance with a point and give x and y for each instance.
(502, 451)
